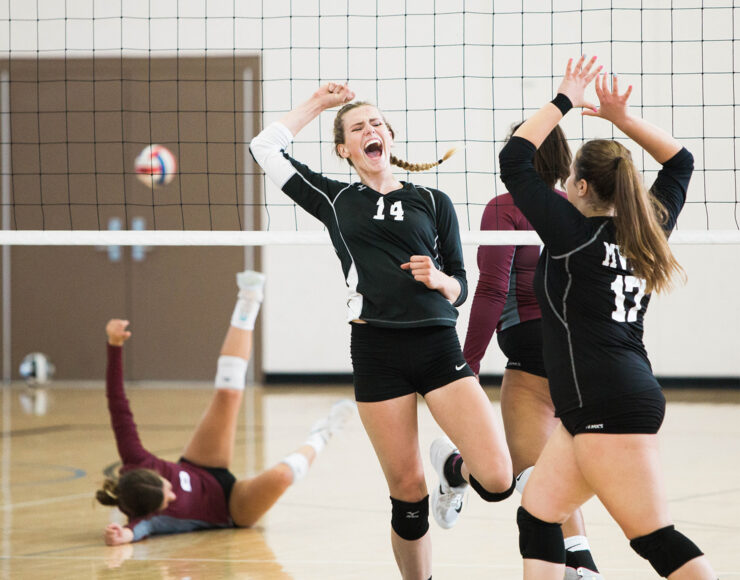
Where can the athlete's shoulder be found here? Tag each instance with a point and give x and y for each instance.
(428, 190)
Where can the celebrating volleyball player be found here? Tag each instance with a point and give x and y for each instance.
(606, 250)
(504, 302)
(400, 251)
(199, 492)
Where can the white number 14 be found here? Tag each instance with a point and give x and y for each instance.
(396, 210)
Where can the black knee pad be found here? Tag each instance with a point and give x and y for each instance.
(666, 549)
(489, 495)
(410, 520)
(540, 540)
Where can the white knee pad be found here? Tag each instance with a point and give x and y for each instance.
(521, 479)
(298, 464)
(231, 372)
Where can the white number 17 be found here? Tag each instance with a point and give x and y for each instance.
(629, 284)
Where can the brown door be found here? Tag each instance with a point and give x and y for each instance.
(76, 127)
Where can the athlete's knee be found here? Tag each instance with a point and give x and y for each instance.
(666, 549)
(408, 485)
(410, 520)
(540, 540)
(492, 496)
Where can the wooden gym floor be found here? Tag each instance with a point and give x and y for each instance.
(335, 523)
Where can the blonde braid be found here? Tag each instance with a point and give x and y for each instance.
(420, 166)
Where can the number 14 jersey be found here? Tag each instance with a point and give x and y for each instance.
(373, 234)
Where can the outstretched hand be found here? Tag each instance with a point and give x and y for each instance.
(115, 535)
(612, 105)
(333, 95)
(576, 79)
(116, 331)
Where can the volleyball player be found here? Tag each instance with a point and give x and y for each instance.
(504, 302)
(199, 492)
(606, 250)
(399, 247)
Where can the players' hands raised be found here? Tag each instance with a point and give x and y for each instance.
(333, 95)
(116, 331)
(576, 79)
(612, 105)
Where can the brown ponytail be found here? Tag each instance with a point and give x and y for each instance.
(339, 139)
(608, 169)
(136, 493)
(108, 494)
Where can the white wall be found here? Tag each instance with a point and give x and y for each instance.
(459, 77)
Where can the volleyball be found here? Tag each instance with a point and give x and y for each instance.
(155, 166)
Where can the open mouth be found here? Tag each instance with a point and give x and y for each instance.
(374, 148)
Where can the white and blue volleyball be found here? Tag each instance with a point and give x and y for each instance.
(155, 166)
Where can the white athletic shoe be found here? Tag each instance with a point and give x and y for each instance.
(446, 501)
(581, 573)
(341, 412)
(251, 285)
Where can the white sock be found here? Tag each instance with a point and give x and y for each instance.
(245, 313)
(317, 441)
(298, 464)
(521, 479)
(231, 372)
(576, 543)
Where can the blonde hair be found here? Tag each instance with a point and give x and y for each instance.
(339, 140)
(608, 169)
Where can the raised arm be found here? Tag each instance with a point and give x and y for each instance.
(559, 224)
(326, 97)
(129, 445)
(613, 107)
(310, 190)
(570, 94)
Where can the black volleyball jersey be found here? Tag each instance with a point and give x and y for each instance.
(373, 234)
(592, 305)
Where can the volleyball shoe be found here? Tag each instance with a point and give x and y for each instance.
(446, 501)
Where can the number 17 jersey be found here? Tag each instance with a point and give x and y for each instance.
(592, 305)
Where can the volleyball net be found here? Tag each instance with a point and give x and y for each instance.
(86, 86)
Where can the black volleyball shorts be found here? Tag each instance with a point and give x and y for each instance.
(225, 478)
(522, 345)
(636, 413)
(393, 362)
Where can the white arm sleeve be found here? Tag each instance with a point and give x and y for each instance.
(267, 150)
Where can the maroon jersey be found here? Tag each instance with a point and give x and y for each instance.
(504, 296)
(200, 502)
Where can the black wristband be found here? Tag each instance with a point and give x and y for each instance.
(563, 103)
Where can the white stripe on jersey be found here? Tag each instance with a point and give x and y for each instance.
(564, 319)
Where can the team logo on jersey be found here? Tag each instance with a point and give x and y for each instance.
(185, 481)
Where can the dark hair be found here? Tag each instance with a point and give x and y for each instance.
(339, 139)
(553, 158)
(611, 175)
(137, 493)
